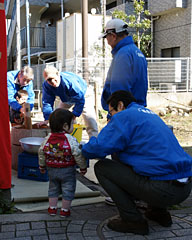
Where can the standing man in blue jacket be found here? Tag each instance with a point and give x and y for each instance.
(17, 80)
(71, 89)
(128, 69)
(149, 164)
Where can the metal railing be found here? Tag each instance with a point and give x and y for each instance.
(12, 25)
(169, 74)
(164, 74)
(37, 37)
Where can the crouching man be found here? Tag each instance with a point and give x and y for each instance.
(149, 164)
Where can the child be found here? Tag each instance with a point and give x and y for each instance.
(16, 117)
(60, 153)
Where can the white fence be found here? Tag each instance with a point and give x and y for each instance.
(169, 74)
(164, 74)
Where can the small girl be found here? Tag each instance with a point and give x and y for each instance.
(60, 153)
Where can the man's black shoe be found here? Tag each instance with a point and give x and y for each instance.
(162, 217)
(138, 227)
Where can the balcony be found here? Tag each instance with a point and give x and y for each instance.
(9, 5)
(37, 37)
(41, 38)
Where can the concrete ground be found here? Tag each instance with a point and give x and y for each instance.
(89, 222)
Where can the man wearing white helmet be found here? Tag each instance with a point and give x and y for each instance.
(128, 69)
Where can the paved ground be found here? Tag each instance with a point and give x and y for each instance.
(89, 222)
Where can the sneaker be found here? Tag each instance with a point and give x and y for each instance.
(162, 217)
(137, 227)
(64, 213)
(109, 201)
(52, 211)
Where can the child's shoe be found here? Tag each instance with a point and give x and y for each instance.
(52, 211)
(65, 213)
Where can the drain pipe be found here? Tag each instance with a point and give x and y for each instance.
(28, 32)
(84, 14)
(152, 33)
(190, 86)
(18, 38)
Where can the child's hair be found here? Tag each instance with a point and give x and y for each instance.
(21, 93)
(58, 118)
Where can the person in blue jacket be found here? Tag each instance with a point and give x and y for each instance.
(71, 89)
(17, 80)
(128, 69)
(147, 163)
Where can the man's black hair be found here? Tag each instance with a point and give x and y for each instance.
(121, 34)
(121, 95)
(58, 118)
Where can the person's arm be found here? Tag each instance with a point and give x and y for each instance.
(75, 88)
(105, 95)
(11, 92)
(31, 94)
(122, 77)
(76, 152)
(47, 100)
(111, 139)
(41, 156)
(79, 105)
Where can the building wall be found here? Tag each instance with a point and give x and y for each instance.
(173, 29)
(162, 6)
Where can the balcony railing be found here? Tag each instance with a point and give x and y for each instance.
(12, 24)
(37, 37)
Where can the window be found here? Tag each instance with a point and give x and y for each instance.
(111, 5)
(170, 52)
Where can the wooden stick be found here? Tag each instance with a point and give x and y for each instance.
(27, 116)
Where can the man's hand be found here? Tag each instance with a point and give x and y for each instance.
(83, 171)
(43, 123)
(22, 110)
(42, 170)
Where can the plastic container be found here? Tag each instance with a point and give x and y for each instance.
(28, 168)
(77, 131)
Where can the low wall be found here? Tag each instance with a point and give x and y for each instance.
(165, 99)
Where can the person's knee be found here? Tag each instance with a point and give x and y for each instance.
(101, 166)
(97, 166)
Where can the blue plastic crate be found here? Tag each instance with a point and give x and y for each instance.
(28, 167)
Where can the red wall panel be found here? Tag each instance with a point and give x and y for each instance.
(5, 145)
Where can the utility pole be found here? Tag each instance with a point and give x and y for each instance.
(84, 14)
(103, 13)
(28, 32)
(18, 41)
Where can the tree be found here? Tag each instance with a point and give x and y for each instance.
(141, 23)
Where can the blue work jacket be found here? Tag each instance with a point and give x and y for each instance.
(128, 72)
(13, 87)
(72, 90)
(143, 141)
